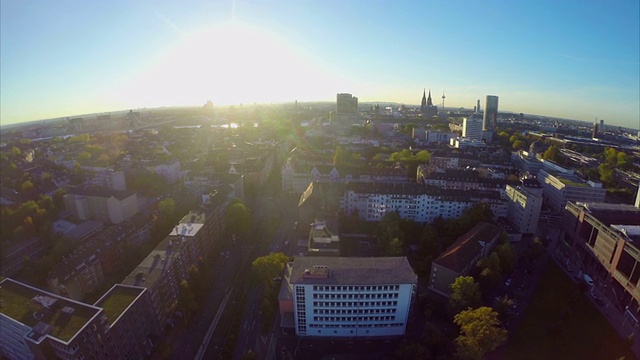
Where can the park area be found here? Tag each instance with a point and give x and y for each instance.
(562, 323)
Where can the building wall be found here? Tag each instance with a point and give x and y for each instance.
(472, 129)
(441, 278)
(352, 311)
(490, 118)
(12, 343)
(557, 193)
(524, 208)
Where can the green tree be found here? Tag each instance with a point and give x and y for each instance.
(26, 187)
(395, 247)
(519, 145)
(490, 270)
(237, 218)
(411, 351)
(186, 300)
(553, 154)
(270, 266)
(465, 293)
(502, 306)
(167, 208)
(507, 255)
(480, 333)
(423, 156)
(388, 229)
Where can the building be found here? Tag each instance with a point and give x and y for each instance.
(462, 256)
(490, 118)
(40, 325)
(603, 241)
(472, 129)
(427, 109)
(371, 202)
(347, 297)
(346, 107)
(322, 242)
(525, 203)
(561, 185)
(459, 179)
(103, 205)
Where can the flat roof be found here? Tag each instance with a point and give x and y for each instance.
(353, 270)
(186, 229)
(117, 300)
(46, 313)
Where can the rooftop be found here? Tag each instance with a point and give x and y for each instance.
(117, 300)
(99, 192)
(352, 270)
(458, 255)
(46, 313)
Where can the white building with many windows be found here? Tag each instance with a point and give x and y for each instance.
(348, 297)
(525, 202)
(416, 202)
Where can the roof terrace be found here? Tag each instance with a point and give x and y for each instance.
(45, 313)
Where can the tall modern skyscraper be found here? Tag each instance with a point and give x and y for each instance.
(490, 119)
(346, 104)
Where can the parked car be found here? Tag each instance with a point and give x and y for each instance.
(587, 279)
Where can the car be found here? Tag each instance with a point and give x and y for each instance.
(508, 282)
(587, 279)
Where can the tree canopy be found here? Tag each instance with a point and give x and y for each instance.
(480, 333)
(465, 293)
(270, 266)
(238, 217)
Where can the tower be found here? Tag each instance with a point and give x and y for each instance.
(443, 97)
(427, 109)
(490, 119)
(594, 130)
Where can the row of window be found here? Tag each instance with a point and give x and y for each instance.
(344, 288)
(356, 296)
(354, 311)
(352, 318)
(354, 304)
(347, 326)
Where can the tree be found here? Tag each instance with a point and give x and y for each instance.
(491, 271)
(465, 293)
(270, 266)
(186, 299)
(502, 306)
(507, 255)
(423, 156)
(395, 247)
(553, 154)
(480, 333)
(237, 217)
(388, 229)
(519, 145)
(411, 351)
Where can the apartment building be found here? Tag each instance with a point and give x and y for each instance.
(460, 179)
(372, 201)
(461, 256)
(40, 325)
(525, 203)
(103, 205)
(348, 297)
(604, 240)
(560, 186)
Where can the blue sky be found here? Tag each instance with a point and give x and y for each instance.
(573, 59)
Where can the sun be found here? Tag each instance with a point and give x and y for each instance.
(230, 64)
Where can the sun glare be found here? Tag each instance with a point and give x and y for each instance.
(230, 64)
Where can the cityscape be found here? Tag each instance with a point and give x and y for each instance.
(233, 180)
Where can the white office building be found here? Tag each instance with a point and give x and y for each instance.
(349, 297)
(472, 129)
(525, 202)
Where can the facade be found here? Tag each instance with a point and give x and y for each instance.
(348, 297)
(602, 240)
(106, 178)
(472, 129)
(346, 104)
(102, 205)
(490, 118)
(415, 202)
(560, 187)
(40, 325)
(427, 109)
(458, 179)
(462, 256)
(525, 203)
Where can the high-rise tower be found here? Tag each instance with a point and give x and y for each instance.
(490, 119)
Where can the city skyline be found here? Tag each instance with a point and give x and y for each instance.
(571, 60)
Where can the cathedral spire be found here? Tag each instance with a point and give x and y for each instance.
(424, 98)
(429, 101)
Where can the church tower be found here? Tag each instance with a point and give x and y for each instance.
(429, 101)
(423, 105)
(427, 109)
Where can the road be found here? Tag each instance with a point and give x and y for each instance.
(251, 336)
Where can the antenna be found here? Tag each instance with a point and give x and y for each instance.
(443, 97)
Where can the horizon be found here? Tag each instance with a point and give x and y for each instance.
(543, 58)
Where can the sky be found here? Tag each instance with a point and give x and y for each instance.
(573, 59)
